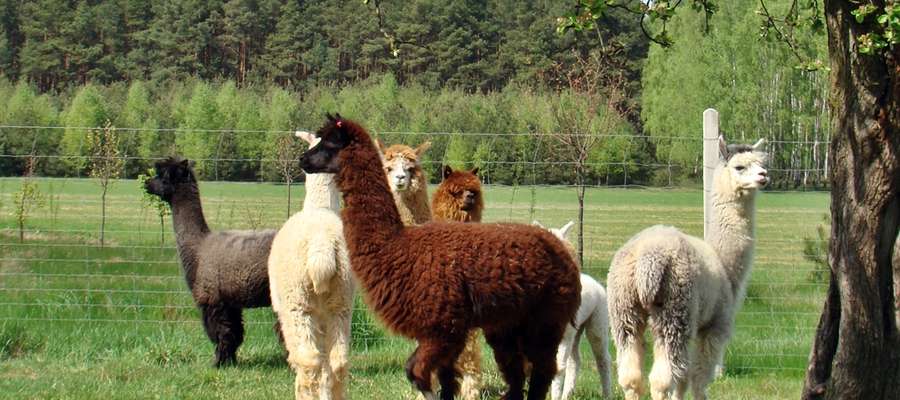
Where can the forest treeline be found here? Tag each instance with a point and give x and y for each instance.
(484, 81)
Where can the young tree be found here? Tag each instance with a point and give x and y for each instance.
(106, 165)
(154, 203)
(288, 152)
(27, 199)
(586, 114)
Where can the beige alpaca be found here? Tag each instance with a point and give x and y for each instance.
(407, 180)
(686, 289)
(312, 291)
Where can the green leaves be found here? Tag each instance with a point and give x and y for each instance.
(583, 17)
(885, 27)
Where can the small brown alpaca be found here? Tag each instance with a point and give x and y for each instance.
(458, 198)
(407, 180)
(436, 282)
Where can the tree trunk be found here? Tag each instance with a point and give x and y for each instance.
(865, 210)
(102, 213)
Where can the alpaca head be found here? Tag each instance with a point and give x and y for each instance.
(560, 233)
(463, 187)
(333, 137)
(402, 166)
(321, 189)
(172, 174)
(741, 168)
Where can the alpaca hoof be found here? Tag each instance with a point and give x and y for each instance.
(225, 362)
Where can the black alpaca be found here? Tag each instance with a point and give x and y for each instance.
(226, 271)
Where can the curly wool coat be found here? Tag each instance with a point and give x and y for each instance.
(458, 199)
(436, 282)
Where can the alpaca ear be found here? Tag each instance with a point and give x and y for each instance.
(446, 171)
(723, 148)
(564, 231)
(537, 224)
(379, 145)
(329, 116)
(474, 171)
(759, 144)
(422, 148)
(306, 136)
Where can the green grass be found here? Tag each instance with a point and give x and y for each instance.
(81, 321)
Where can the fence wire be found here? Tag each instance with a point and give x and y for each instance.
(55, 270)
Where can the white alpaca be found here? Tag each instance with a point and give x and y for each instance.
(591, 318)
(312, 290)
(685, 288)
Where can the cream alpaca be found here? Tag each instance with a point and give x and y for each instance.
(591, 318)
(312, 291)
(407, 181)
(686, 288)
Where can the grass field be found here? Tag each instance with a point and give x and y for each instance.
(82, 321)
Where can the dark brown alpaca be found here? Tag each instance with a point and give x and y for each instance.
(226, 271)
(458, 198)
(436, 282)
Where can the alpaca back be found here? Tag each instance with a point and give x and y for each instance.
(232, 267)
(661, 265)
(309, 251)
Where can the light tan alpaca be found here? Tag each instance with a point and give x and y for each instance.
(312, 290)
(686, 289)
(407, 180)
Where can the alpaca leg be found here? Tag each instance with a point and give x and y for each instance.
(566, 349)
(225, 327)
(572, 365)
(338, 357)
(540, 347)
(305, 353)
(662, 380)
(428, 357)
(469, 366)
(510, 361)
(598, 337)
(630, 360)
(707, 358)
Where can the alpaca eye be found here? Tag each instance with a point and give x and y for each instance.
(740, 168)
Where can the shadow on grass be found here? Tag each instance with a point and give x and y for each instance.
(269, 361)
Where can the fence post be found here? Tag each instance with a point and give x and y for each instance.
(710, 158)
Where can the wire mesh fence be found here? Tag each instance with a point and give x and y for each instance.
(54, 269)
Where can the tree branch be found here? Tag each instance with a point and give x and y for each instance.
(788, 39)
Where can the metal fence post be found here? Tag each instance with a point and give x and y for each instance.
(710, 158)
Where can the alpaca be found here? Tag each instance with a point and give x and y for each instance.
(225, 270)
(312, 291)
(685, 288)
(408, 182)
(591, 318)
(436, 282)
(459, 199)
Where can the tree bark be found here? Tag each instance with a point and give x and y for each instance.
(865, 210)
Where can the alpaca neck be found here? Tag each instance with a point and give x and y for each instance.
(190, 227)
(370, 215)
(413, 206)
(321, 192)
(732, 234)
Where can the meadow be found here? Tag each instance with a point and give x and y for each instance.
(84, 321)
